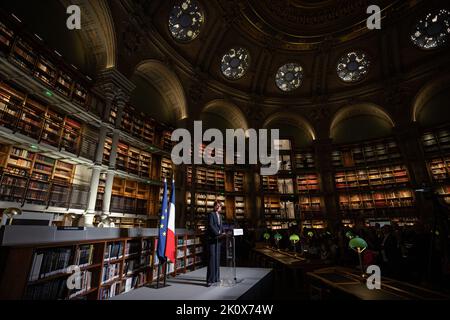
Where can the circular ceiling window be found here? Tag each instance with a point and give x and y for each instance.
(353, 66)
(289, 77)
(185, 20)
(432, 31)
(235, 63)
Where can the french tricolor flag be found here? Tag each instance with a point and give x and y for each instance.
(170, 238)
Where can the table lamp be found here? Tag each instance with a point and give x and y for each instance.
(359, 245)
(277, 238)
(310, 234)
(294, 238)
(11, 213)
(266, 236)
(349, 235)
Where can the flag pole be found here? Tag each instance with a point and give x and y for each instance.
(166, 263)
(159, 275)
(165, 272)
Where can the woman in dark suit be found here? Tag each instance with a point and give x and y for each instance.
(214, 233)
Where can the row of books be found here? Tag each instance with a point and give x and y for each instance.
(51, 290)
(134, 281)
(84, 255)
(113, 251)
(132, 247)
(49, 262)
(109, 291)
(110, 272)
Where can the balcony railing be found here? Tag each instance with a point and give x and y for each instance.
(28, 122)
(53, 193)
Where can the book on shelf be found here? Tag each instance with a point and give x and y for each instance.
(51, 290)
(113, 251)
(84, 255)
(48, 262)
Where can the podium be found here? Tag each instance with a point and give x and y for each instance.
(228, 274)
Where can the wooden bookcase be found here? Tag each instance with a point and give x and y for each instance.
(23, 49)
(108, 268)
(203, 204)
(367, 154)
(32, 177)
(190, 255)
(436, 146)
(166, 170)
(304, 159)
(371, 179)
(138, 125)
(30, 117)
(294, 194)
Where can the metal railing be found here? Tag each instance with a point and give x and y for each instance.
(14, 118)
(23, 188)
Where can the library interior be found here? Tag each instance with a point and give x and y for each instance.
(87, 113)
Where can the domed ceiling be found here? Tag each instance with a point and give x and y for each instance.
(303, 24)
(302, 56)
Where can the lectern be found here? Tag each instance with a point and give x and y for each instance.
(229, 277)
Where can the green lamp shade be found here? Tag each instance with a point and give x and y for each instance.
(349, 235)
(266, 236)
(294, 238)
(277, 236)
(310, 233)
(357, 243)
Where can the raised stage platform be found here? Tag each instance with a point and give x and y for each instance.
(255, 283)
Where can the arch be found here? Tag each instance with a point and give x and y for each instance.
(364, 111)
(293, 120)
(428, 92)
(228, 111)
(166, 82)
(97, 31)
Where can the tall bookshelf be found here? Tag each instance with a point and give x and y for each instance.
(372, 181)
(27, 115)
(436, 146)
(108, 268)
(293, 196)
(190, 254)
(24, 50)
(34, 178)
